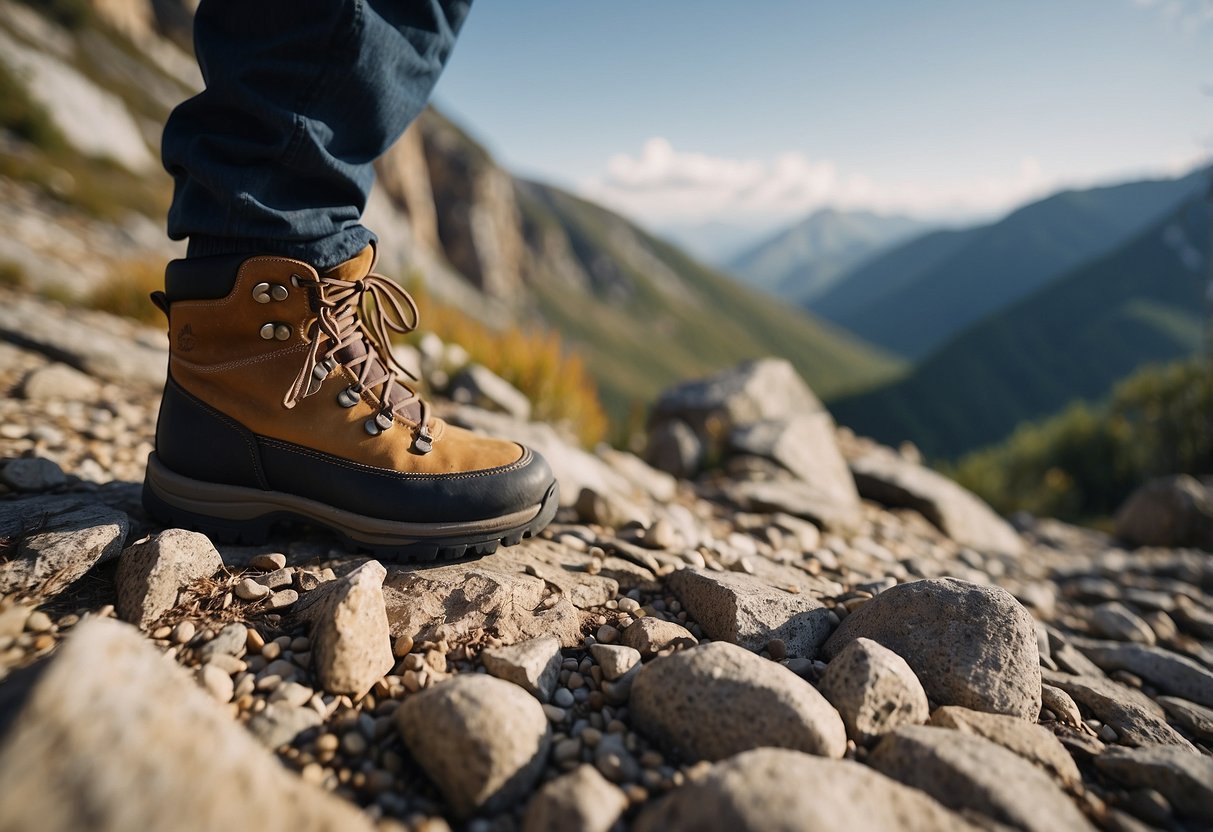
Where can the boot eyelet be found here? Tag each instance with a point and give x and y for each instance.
(278, 292)
(261, 293)
(295, 280)
(348, 397)
(267, 331)
(423, 443)
(378, 423)
(321, 371)
(282, 332)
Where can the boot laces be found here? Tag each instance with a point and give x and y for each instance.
(365, 313)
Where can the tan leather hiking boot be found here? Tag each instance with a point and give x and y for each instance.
(284, 402)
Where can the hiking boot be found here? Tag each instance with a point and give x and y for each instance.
(284, 402)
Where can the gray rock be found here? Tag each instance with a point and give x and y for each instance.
(874, 690)
(890, 479)
(62, 549)
(1114, 620)
(280, 723)
(351, 642)
(969, 645)
(1167, 671)
(657, 484)
(60, 382)
(477, 385)
(651, 636)
(767, 388)
(1062, 705)
(454, 602)
(718, 699)
(804, 444)
(230, 641)
(775, 790)
(1172, 511)
(109, 699)
(970, 774)
(32, 474)
(582, 799)
(1193, 718)
(153, 571)
(1185, 780)
(793, 497)
(615, 659)
(1194, 618)
(738, 608)
(1135, 718)
(1032, 742)
(532, 665)
(483, 740)
(674, 448)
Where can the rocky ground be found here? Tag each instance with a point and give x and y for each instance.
(796, 629)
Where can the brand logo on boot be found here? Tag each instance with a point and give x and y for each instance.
(185, 338)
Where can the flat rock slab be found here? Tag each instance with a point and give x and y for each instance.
(718, 699)
(484, 741)
(1136, 719)
(1169, 672)
(775, 789)
(1185, 780)
(458, 601)
(969, 645)
(970, 774)
(1032, 742)
(160, 753)
(892, 480)
(58, 547)
(744, 610)
(100, 345)
(1193, 718)
(532, 665)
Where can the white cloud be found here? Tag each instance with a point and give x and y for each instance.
(663, 185)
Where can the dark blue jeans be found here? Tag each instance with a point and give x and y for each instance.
(275, 155)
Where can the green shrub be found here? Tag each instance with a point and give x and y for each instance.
(70, 14)
(1082, 463)
(24, 117)
(125, 292)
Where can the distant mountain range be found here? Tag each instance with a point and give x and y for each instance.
(913, 297)
(805, 260)
(1073, 338)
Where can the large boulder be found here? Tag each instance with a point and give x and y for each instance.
(718, 699)
(741, 609)
(890, 479)
(776, 790)
(483, 740)
(970, 645)
(971, 774)
(108, 736)
(1172, 511)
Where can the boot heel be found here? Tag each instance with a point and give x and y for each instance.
(252, 532)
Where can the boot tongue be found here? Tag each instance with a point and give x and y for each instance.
(354, 269)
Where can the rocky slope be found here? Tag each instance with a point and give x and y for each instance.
(803, 630)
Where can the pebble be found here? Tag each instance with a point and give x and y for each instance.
(183, 633)
(268, 563)
(283, 598)
(217, 683)
(563, 698)
(249, 590)
(38, 622)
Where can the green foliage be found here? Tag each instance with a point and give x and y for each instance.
(1083, 463)
(12, 275)
(22, 116)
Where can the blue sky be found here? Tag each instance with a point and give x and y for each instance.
(752, 113)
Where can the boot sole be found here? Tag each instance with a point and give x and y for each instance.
(234, 514)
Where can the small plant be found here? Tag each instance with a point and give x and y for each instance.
(24, 117)
(70, 14)
(12, 275)
(125, 292)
